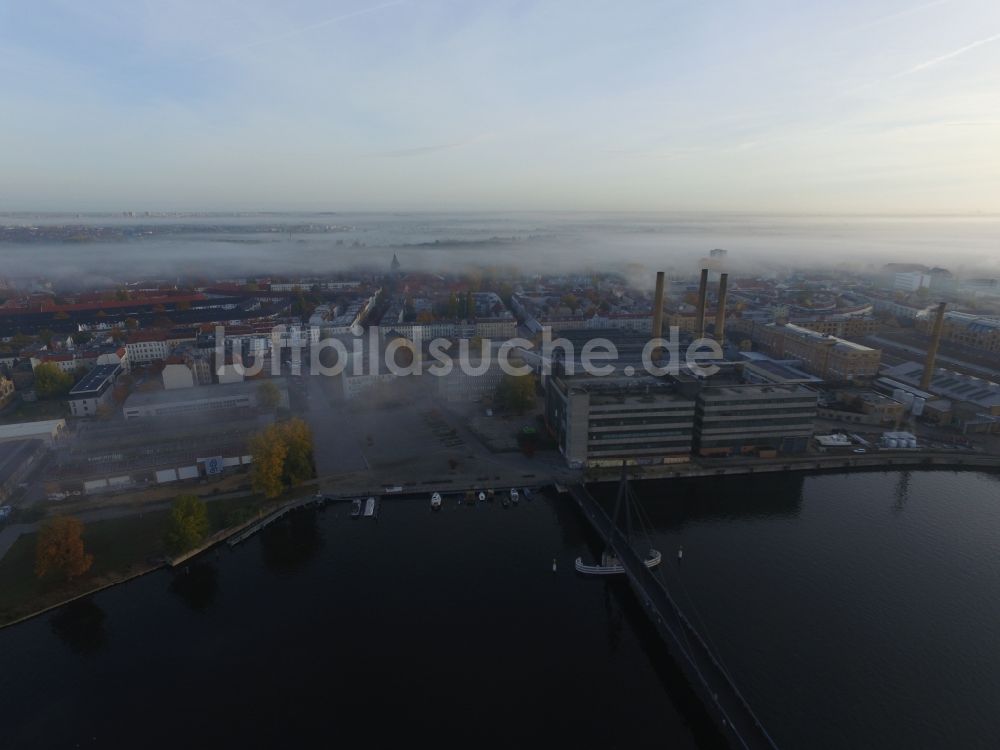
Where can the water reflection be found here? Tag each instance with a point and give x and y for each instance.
(673, 503)
(293, 542)
(80, 625)
(196, 585)
(902, 493)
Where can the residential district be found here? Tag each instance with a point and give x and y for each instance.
(116, 400)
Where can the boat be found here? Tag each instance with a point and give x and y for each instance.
(625, 505)
(370, 507)
(393, 490)
(527, 493)
(436, 500)
(514, 497)
(356, 507)
(482, 496)
(610, 566)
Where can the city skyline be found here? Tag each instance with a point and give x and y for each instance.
(408, 105)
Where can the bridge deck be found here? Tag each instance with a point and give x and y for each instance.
(723, 701)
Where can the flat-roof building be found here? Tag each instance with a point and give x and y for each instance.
(200, 398)
(744, 419)
(47, 430)
(93, 391)
(606, 420)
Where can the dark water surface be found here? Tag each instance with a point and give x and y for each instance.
(854, 611)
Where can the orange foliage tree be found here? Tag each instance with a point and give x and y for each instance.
(60, 549)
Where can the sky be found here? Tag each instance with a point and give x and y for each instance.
(785, 106)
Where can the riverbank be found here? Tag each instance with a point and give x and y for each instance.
(881, 461)
(124, 548)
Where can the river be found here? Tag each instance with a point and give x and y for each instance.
(854, 610)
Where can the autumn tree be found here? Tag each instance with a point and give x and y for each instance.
(269, 452)
(60, 549)
(268, 395)
(187, 526)
(282, 455)
(51, 381)
(299, 454)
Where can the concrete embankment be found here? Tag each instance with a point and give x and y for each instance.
(882, 461)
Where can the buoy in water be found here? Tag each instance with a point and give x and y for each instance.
(680, 553)
(553, 565)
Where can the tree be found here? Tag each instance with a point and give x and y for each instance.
(516, 393)
(269, 453)
(571, 301)
(131, 323)
(60, 550)
(282, 455)
(268, 395)
(299, 450)
(187, 526)
(121, 295)
(52, 382)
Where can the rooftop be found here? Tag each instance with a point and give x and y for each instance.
(94, 381)
(198, 392)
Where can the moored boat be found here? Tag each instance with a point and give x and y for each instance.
(514, 496)
(436, 500)
(610, 565)
(356, 507)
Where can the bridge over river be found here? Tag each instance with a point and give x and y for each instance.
(709, 679)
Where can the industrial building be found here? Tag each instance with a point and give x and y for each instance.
(198, 399)
(605, 420)
(748, 419)
(830, 357)
(984, 395)
(975, 331)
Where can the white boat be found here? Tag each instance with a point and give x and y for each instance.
(436, 500)
(370, 507)
(514, 497)
(610, 566)
(482, 497)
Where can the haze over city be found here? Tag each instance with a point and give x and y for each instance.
(871, 107)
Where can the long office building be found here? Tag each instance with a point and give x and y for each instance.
(601, 421)
(751, 419)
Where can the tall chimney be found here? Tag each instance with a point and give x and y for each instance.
(658, 307)
(699, 324)
(925, 381)
(720, 313)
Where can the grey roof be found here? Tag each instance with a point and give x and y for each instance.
(93, 381)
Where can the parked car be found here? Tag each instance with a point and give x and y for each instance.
(860, 450)
(5, 511)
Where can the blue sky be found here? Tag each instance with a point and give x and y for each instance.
(755, 105)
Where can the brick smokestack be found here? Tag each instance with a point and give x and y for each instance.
(925, 381)
(720, 313)
(658, 307)
(699, 324)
